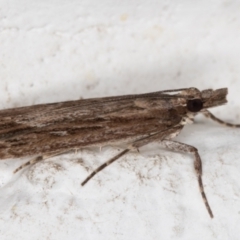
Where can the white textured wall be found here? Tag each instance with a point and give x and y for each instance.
(64, 50)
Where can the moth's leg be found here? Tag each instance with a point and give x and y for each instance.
(134, 146)
(182, 147)
(30, 162)
(101, 167)
(210, 115)
(38, 159)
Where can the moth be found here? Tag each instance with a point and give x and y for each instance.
(47, 130)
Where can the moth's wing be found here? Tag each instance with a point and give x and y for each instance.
(61, 126)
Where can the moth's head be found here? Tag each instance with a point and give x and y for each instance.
(207, 99)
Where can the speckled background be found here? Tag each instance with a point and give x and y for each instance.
(65, 50)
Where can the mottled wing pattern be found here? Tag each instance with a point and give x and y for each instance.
(49, 128)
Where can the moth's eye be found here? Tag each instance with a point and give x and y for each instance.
(194, 105)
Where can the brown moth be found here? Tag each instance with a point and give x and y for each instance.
(47, 130)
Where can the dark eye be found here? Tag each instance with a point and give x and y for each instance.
(194, 105)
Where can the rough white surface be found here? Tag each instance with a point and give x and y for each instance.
(61, 50)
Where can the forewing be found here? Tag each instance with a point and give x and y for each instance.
(49, 128)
